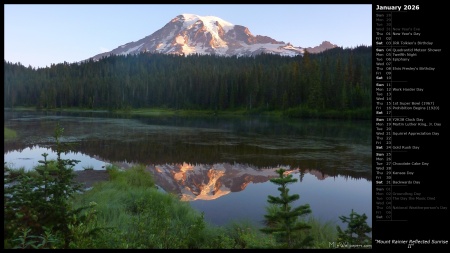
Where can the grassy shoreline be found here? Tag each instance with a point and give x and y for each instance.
(298, 112)
(9, 134)
(131, 212)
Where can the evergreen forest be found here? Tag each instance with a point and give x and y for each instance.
(336, 79)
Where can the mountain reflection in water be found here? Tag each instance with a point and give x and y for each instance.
(220, 165)
(208, 182)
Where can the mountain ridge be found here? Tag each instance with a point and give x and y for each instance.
(193, 34)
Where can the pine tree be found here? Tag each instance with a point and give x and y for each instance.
(357, 227)
(282, 219)
(36, 202)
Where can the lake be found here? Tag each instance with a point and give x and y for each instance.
(221, 165)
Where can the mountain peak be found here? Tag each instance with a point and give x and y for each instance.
(320, 48)
(211, 22)
(190, 33)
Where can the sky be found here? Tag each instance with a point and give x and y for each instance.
(39, 35)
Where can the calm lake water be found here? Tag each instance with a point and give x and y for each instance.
(221, 165)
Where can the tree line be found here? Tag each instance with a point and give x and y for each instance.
(337, 79)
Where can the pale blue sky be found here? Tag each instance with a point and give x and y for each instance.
(42, 34)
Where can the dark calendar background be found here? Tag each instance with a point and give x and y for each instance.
(410, 126)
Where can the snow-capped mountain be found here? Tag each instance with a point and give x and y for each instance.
(188, 33)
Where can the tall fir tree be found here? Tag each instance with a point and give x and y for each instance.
(282, 219)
